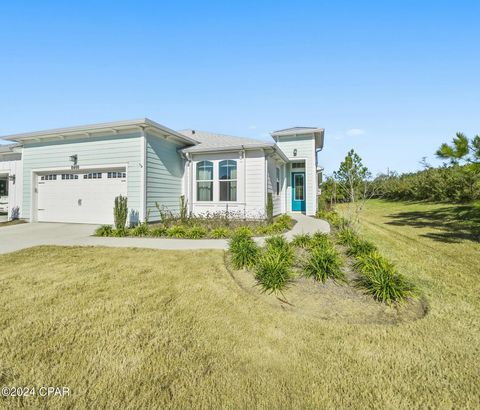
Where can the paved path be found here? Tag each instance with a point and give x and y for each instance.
(22, 236)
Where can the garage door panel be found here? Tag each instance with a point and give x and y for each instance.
(82, 200)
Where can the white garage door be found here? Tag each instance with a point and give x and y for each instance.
(80, 197)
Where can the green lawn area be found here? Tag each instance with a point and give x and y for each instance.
(137, 328)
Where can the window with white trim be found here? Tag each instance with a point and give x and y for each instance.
(114, 174)
(69, 176)
(205, 181)
(228, 180)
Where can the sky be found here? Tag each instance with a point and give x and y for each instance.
(391, 79)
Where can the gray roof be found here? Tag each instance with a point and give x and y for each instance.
(209, 141)
(5, 148)
(92, 129)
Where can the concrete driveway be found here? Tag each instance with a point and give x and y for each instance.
(16, 237)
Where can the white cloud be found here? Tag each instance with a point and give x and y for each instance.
(355, 132)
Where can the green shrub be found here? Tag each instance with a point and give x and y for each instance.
(302, 240)
(323, 263)
(380, 279)
(219, 233)
(104, 230)
(272, 272)
(243, 231)
(269, 208)
(120, 232)
(140, 230)
(158, 231)
(243, 249)
(196, 232)
(321, 240)
(347, 236)
(177, 231)
(285, 221)
(280, 245)
(360, 247)
(120, 211)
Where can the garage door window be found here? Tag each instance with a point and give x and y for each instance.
(116, 175)
(69, 176)
(51, 177)
(93, 175)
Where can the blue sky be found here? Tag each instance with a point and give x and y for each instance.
(392, 79)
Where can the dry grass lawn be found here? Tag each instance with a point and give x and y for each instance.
(135, 328)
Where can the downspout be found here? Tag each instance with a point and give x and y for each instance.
(143, 206)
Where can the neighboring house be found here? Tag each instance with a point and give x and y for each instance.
(10, 177)
(74, 174)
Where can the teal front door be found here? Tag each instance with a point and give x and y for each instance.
(298, 191)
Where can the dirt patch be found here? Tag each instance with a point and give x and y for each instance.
(332, 301)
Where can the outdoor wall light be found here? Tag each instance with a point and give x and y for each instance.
(11, 178)
(74, 159)
(295, 152)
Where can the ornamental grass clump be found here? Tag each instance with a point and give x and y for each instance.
(220, 233)
(321, 240)
(278, 244)
(104, 230)
(196, 232)
(347, 236)
(322, 263)
(272, 271)
(302, 240)
(177, 232)
(243, 249)
(140, 230)
(360, 247)
(380, 278)
(158, 231)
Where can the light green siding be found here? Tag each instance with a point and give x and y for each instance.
(164, 175)
(305, 146)
(92, 151)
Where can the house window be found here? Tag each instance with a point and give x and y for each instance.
(277, 175)
(205, 181)
(228, 180)
(93, 175)
(116, 174)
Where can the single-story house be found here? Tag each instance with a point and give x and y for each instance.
(74, 174)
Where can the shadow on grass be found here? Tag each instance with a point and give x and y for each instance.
(452, 223)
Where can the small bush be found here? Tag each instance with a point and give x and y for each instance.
(280, 245)
(303, 240)
(360, 247)
(120, 232)
(321, 240)
(219, 233)
(347, 236)
(177, 232)
(380, 279)
(243, 249)
(272, 272)
(196, 232)
(120, 211)
(104, 230)
(140, 230)
(158, 231)
(324, 263)
(285, 221)
(243, 231)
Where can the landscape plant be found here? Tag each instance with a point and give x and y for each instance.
(379, 278)
(120, 212)
(272, 271)
(322, 263)
(243, 249)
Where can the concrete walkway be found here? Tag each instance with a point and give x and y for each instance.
(16, 237)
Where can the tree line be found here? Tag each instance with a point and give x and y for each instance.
(457, 180)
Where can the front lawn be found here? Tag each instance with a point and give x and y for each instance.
(144, 328)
